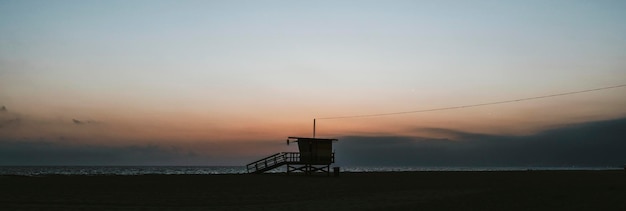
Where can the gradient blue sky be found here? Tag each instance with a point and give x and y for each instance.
(210, 77)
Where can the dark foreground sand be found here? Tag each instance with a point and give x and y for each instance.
(521, 190)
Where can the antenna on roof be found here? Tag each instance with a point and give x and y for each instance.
(313, 128)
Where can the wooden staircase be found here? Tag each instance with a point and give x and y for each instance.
(273, 161)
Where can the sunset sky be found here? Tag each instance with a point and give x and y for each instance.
(225, 82)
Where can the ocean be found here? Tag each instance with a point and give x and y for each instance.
(177, 170)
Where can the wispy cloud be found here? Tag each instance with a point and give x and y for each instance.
(50, 152)
(28, 140)
(53, 153)
(7, 119)
(78, 122)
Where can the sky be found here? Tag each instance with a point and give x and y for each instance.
(150, 82)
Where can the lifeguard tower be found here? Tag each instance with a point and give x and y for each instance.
(315, 155)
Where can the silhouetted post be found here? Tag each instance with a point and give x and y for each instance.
(313, 128)
(336, 171)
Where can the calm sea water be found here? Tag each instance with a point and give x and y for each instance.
(173, 170)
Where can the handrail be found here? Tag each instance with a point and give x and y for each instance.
(273, 161)
(265, 158)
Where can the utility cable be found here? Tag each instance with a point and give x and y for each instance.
(474, 105)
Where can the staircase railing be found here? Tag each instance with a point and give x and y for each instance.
(273, 161)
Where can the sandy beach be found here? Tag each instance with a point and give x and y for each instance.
(515, 190)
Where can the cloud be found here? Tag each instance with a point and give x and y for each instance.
(8, 119)
(53, 153)
(78, 122)
(9, 122)
(61, 151)
(589, 144)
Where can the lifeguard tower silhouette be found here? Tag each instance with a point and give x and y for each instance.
(315, 155)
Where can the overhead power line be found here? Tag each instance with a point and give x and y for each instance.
(473, 105)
